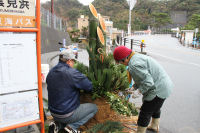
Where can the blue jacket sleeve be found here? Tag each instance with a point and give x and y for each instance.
(81, 81)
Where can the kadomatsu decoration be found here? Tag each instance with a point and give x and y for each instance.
(107, 78)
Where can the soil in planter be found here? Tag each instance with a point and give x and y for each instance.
(105, 113)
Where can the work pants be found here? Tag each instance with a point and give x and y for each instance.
(79, 117)
(150, 109)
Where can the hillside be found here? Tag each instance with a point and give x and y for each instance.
(69, 10)
(143, 14)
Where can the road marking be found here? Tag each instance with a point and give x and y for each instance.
(177, 60)
(194, 64)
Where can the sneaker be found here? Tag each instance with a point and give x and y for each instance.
(70, 130)
(53, 128)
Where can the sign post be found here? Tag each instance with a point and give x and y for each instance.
(196, 31)
(131, 4)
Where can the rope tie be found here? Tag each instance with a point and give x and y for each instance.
(101, 52)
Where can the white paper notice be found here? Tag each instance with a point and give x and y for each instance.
(18, 108)
(18, 65)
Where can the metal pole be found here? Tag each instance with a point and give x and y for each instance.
(52, 13)
(131, 44)
(52, 5)
(129, 25)
(124, 41)
(118, 39)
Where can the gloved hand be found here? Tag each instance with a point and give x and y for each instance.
(136, 93)
(131, 90)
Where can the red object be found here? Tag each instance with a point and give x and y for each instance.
(121, 52)
(42, 77)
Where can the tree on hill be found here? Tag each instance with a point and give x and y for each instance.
(74, 35)
(194, 22)
(118, 10)
(191, 6)
(161, 19)
(84, 32)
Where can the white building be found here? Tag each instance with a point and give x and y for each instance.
(187, 36)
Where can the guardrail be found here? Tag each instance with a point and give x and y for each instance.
(131, 42)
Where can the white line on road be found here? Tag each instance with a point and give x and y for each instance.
(177, 60)
(194, 64)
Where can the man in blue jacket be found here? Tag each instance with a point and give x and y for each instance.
(151, 80)
(64, 84)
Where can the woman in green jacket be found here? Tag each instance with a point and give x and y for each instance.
(151, 80)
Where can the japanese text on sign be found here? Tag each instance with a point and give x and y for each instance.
(20, 13)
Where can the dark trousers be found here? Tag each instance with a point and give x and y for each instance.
(150, 109)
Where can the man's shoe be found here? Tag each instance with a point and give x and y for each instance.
(53, 128)
(70, 130)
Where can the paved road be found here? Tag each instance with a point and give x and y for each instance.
(181, 112)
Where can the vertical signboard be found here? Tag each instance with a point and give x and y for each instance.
(20, 65)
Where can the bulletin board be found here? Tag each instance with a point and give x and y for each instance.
(18, 64)
(18, 108)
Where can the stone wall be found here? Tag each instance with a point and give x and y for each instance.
(179, 18)
(50, 38)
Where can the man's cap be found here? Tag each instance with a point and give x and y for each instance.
(121, 52)
(68, 54)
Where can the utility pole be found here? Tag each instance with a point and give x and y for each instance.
(52, 13)
(129, 24)
(52, 9)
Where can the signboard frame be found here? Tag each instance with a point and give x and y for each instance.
(38, 53)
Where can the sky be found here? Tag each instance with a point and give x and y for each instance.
(84, 2)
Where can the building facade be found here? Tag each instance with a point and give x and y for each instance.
(82, 22)
(111, 33)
